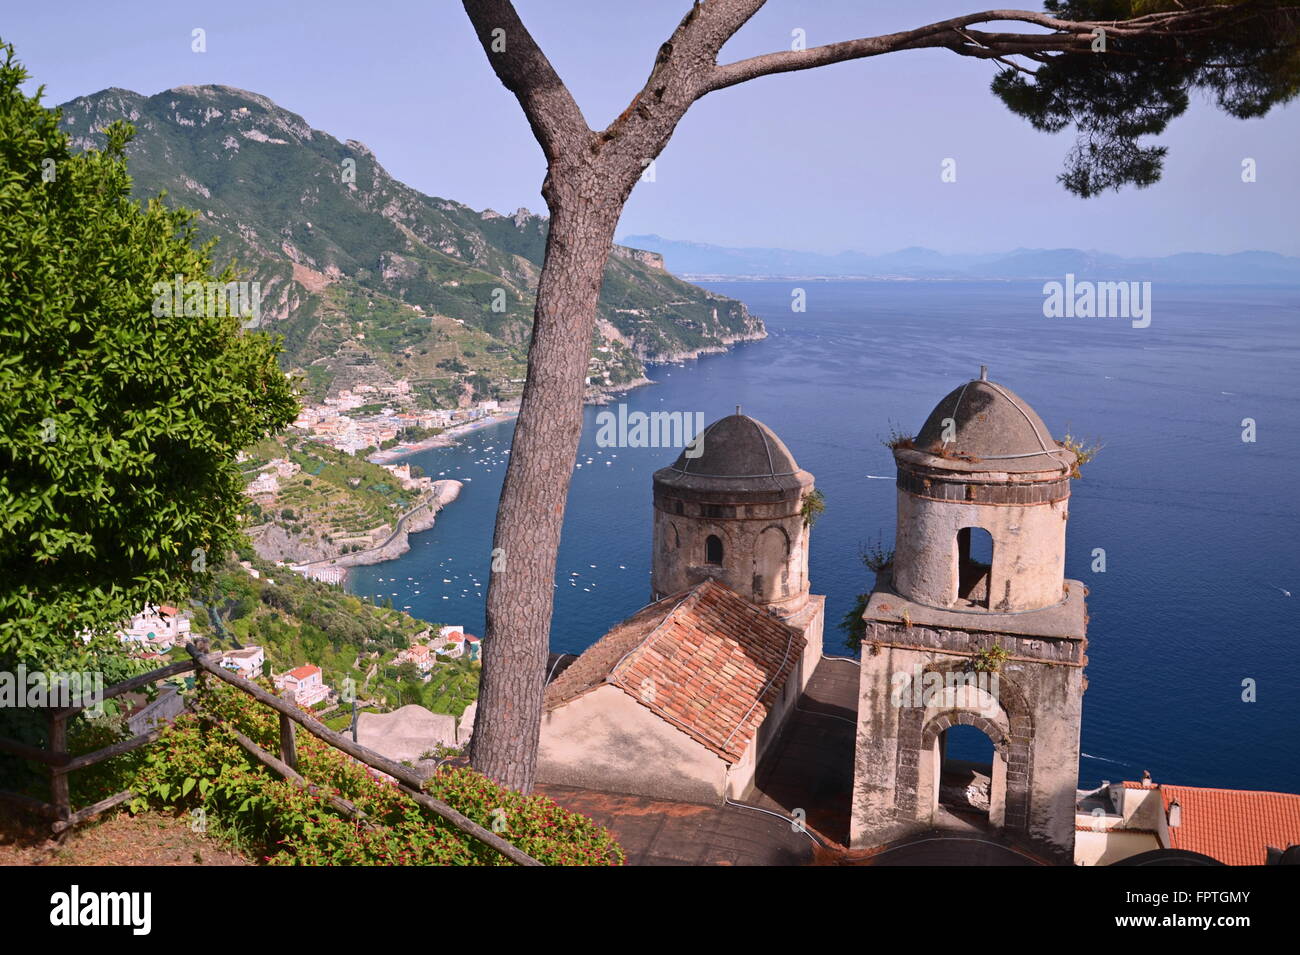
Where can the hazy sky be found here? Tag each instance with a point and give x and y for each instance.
(842, 157)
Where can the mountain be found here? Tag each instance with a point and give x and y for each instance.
(699, 259)
(368, 277)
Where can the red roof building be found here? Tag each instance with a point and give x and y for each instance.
(707, 664)
(1235, 826)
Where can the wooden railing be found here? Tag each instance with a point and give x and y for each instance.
(61, 763)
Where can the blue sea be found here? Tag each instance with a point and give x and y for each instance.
(1200, 528)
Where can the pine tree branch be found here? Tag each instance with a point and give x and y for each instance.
(523, 68)
(1068, 36)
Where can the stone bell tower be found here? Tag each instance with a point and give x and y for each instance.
(974, 623)
(731, 509)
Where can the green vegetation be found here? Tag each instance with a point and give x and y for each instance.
(878, 560)
(444, 299)
(854, 627)
(897, 439)
(192, 769)
(990, 660)
(297, 620)
(334, 498)
(1083, 452)
(453, 685)
(813, 506)
(876, 557)
(119, 427)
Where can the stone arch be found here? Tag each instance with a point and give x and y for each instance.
(930, 763)
(771, 561)
(950, 718)
(916, 736)
(714, 550)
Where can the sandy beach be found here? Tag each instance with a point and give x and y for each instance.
(446, 439)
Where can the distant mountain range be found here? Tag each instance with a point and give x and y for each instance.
(368, 277)
(697, 260)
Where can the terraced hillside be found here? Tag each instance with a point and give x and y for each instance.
(365, 276)
(331, 504)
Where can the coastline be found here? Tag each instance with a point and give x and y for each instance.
(605, 394)
(596, 395)
(420, 518)
(413, 523)
(444, 440)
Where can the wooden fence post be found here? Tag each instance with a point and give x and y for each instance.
(59, 778)
(288, 746)
(200, 675)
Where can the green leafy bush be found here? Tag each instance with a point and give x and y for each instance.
(198, 766)
(119, 426)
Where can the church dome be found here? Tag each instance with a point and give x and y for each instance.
(738, 446)
(737, 452)
(992, 428)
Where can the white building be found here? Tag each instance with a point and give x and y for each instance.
(460, 644)
(247, 662)
(324, 574)
(305, 684)
(420, 655)
(157, 628)
(264, 483)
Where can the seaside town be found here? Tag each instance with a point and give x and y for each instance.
(384, 420)
(156, 631)
(799, 502)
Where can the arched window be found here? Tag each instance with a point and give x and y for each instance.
(713, 549)
(974, 565)
(771, 572)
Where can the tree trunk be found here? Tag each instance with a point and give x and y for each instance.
(531, 515)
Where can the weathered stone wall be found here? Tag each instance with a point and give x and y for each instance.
(765, 547)
(811, 620)
(1035, 731)
(1028, 550)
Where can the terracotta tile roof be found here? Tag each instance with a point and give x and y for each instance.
(1234, 826)
(304, 671)
(713, 665)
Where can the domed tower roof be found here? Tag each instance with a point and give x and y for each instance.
(992, 429)
(735, 453)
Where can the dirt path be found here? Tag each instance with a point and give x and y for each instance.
(150, 838)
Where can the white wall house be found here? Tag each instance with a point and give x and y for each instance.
(305, 684)
(157, 628)
(247, 662)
